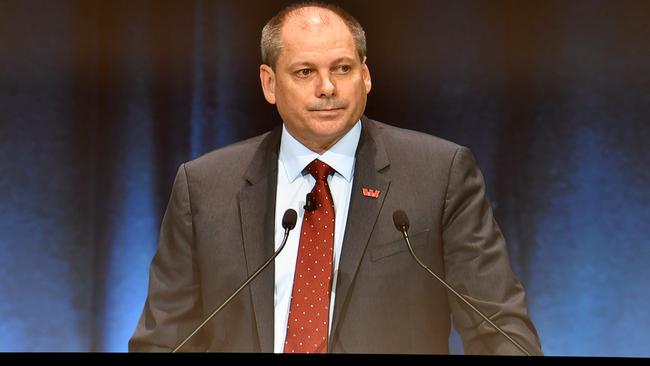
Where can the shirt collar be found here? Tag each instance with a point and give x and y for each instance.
(295, 156)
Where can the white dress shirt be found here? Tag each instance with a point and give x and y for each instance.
(294, 182)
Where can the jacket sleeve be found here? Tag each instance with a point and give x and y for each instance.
(477, 265)
(173, 307)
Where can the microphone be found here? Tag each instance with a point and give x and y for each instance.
(288, 223)
(310, 202)
(401, 222)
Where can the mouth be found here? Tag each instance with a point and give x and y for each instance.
(326, 110)
(327, 114)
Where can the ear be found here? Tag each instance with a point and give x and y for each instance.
(365, 73)
(267, 78)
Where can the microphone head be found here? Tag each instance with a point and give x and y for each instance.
(289, 219)
(310, 202)
(400, 220)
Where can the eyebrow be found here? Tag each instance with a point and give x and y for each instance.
(311, 64)
(300, 64)
(343, 59)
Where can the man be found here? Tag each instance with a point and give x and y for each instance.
(366, 294)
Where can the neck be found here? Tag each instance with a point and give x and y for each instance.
(319, 147)
(318, 144)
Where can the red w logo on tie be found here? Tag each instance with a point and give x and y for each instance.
(374, 193)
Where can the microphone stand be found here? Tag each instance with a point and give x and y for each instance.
(403, 227)
(288, 222)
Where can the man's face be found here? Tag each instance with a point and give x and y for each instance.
(319, 84)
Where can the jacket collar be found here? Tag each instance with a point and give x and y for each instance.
(257, 224)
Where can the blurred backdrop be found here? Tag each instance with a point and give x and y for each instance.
(100, 101)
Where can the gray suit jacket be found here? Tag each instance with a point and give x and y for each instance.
(218, 228)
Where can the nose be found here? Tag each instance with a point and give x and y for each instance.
(326, 87)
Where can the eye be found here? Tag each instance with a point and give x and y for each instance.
(303, 73)
(343, 69)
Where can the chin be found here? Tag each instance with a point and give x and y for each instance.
(329, 126)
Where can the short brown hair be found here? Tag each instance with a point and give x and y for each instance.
(271, 43)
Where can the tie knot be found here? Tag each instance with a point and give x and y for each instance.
(319, 170)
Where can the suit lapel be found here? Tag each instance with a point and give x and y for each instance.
(371, 158)
(257, 214)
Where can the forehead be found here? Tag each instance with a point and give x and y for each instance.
(315, 32)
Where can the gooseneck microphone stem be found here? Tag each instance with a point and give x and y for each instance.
(401, 223)
(288, 222)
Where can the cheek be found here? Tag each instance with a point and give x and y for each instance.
(361, 89)
(290, 104)
(293, 96)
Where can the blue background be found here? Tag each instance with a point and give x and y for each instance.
(100, 101)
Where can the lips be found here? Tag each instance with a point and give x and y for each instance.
(326, 110)
(328, 113)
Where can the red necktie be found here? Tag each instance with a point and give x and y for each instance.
(307, 326)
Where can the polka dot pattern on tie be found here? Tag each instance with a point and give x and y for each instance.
(307, 326)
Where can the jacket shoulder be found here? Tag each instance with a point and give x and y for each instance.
(410, 142)
(232, 159)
